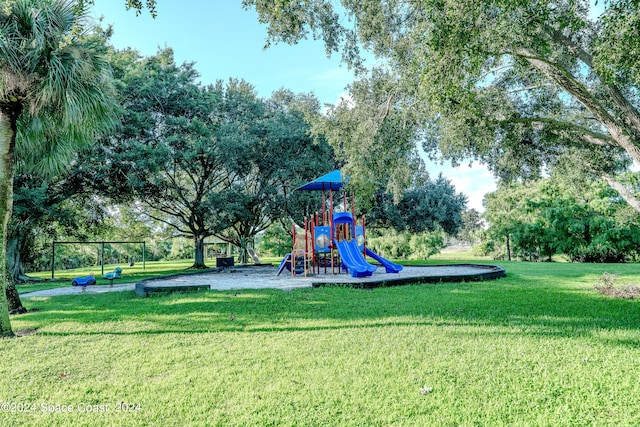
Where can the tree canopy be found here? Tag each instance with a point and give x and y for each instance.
(164, 157)
(137, 5)
(276, 155)
(516, 84)
(586, 222)
(427, 205)
(211, 160)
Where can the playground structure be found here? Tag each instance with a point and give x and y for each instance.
(332, 241)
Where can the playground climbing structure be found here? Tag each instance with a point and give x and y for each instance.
(332, 241)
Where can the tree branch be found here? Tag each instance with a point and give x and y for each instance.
(575, 88)
(632, 117)
(584, 133)
(623, 191)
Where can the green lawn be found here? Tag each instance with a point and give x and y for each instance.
(539, 348)
(466, 256)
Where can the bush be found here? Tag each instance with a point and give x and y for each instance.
(392, 244)
(275, 242)
(486, 248)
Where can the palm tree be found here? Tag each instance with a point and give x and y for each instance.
(55, 96)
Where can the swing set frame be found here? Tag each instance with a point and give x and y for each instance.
(102, 243)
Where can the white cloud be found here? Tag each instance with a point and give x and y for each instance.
(474, 181)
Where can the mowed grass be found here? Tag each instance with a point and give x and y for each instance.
(539, 347)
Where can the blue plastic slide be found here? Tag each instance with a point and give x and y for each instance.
(286, 263)
(289, 262)
(353, 259)
(390, 267)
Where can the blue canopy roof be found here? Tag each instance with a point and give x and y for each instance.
(332, 180)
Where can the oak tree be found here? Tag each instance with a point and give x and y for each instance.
(516, 84)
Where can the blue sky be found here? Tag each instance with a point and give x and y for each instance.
(226, 41)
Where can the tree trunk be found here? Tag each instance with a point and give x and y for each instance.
(14, 304)
(242, 259)
(624, 192)
(14, 259)
(508, 249)
(8, 120)
(16, 273)
(199, 252)
(581, 93)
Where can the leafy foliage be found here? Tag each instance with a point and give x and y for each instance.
(424, 207)
(549, 217)
(472, 225)
(403, 245)
(55, 96)
(276, 241)
(375, 133)
(205, 160)
(273, 156)
(137, 5)
(45, 209)
(515, 84)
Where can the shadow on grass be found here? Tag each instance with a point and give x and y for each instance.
(531, 301)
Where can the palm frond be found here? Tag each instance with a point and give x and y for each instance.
(59, 75)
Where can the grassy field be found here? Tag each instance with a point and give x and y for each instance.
(538, 348)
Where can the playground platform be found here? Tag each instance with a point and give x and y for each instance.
(264, 277)
(261, 277)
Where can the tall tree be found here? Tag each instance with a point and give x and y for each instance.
(471, 225)
(44, 208)
(205, 160)
(513, 83)
(272, 158)
(506, 210)
(585, 221)
(425, 206)
(375, 134)
(54, 96)
(165, 158)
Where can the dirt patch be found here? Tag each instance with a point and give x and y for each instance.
(607, 285)
(25, 332)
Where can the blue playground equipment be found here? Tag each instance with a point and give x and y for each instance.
(390, 267)
(338, 242)
(112, 275)
(289, 260)
(322, 240)
(84, 281)
(345, 240)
